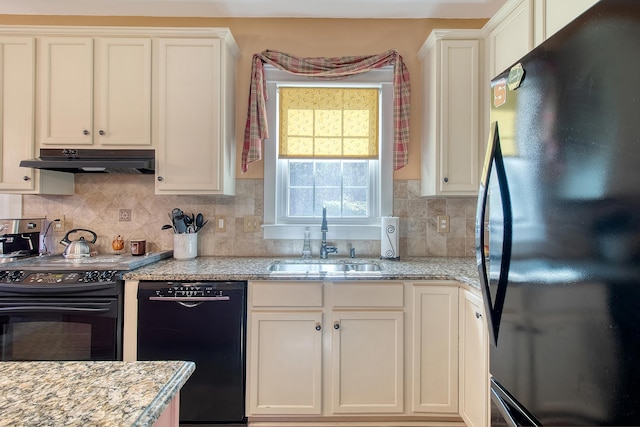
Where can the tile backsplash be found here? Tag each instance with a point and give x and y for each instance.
(99, 198)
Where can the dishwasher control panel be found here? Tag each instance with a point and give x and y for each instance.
(189, 291)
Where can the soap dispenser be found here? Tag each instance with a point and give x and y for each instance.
(306, 247)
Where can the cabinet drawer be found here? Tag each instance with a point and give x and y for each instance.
(367, 294)
(286, 294)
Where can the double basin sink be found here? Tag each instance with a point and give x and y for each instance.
(310, 267)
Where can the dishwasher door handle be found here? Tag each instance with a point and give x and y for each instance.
(189, 299)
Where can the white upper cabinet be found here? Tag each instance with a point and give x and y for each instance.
(17, 121)
(552, 15)
(451, 61)
(122, 108)
(196, 123)
(94, 92)
(521, 25)
(509, 35)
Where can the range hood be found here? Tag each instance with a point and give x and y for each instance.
(94, 161)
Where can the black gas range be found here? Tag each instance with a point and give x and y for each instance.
(53, 308)
(55, 274)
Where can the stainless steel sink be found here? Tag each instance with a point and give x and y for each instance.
(323, 267)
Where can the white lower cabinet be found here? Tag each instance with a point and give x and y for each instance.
(474, 378)
(284, 355)
(435, 348)
(367, 347)
(348, 352)
(366, 365)
(285, 365)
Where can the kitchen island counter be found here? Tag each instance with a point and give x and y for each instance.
(257, 268)
(89, 393)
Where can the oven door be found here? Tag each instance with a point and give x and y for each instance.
(60, 329)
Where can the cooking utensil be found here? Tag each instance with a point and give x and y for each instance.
(181, 226)
(167, 226)
(80, 248)
(199, 221)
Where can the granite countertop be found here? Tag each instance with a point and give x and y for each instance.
(257, 268)
(97, 394)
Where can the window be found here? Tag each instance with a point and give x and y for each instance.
(330, 147)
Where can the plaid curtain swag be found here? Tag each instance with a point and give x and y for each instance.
(256, 129)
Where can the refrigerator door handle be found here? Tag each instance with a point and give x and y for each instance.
(514, 414)
(493, 308)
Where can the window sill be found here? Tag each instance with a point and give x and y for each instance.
(336, 231)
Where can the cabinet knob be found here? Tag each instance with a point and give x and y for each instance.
(478, 315)
(336, 325)
(318, 326)
(446, 179)
(101, 132)
(85, 132)
(26, 178)
(160, 178)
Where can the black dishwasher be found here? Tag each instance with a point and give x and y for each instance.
(203, 322)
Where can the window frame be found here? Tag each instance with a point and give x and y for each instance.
(273, 225)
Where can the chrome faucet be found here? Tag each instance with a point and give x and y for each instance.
(324, 249)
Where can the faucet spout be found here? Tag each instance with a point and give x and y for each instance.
(324, 228)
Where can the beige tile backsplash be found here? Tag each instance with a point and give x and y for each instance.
(99, 197)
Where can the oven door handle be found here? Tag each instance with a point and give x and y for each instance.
(54, 308)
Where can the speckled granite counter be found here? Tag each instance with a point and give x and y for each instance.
(256, 268)
(88, 393)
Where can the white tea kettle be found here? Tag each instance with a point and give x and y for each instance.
(80, 248)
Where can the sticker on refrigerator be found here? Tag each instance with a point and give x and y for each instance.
(500, 93)
(516, 74)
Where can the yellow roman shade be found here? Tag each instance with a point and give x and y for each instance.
(328, 122)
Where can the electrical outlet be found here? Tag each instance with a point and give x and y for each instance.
(58, 225)
(251, 223)
(221, 223)
(443, 223)
(124, 215)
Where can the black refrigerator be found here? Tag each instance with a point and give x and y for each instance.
(558, 227)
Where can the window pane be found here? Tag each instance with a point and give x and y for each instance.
(328, 174)
(301, 202)
(356, 174)
(300, 173)
(355, 202)
(329, 197)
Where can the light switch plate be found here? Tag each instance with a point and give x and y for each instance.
(221, 223)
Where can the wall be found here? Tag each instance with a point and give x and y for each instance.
(99, 197)
(303, 37)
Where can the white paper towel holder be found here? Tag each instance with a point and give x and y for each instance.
(391, 253)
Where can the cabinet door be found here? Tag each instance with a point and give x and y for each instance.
(459, 106)
(557, 14)
(474, 373)
(512, 36)
(17, 82)
(435, 349)
(189, 116)
(451, 129)
(367, 362)
(122, 92)
(66, 91)
(285, 363)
